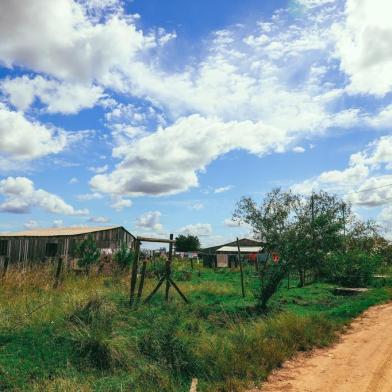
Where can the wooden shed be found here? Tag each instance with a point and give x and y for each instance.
(44, 244)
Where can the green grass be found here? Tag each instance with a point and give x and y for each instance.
(84, 337)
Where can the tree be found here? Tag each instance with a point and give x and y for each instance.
(303, 230)
(124, 257)
(317, 231)
(187, 243)
(306, 230)
(353, 268)
(272, 222)
(88, 253)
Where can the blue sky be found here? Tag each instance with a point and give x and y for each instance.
(159, 115)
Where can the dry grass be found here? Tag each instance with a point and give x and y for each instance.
(82, 336)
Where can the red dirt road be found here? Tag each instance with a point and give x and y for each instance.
(360, 362)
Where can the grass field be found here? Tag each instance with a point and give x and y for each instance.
(83, 336)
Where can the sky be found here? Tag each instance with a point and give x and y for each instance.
(160, 115)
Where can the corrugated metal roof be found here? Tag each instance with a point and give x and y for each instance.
(57, 231)
(244, 249)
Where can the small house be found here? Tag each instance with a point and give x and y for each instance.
(226, 255)
(44, 244)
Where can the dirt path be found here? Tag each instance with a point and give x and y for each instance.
(360, 362)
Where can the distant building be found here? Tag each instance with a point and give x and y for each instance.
(226, 255)
(43, 244)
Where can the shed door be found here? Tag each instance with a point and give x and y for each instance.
(222, 260)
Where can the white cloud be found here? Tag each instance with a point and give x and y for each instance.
(119, 203)
(151, 164)
(265, 108)
(223, 189)
(231, 223)
(16, 129)
(100, 169)
(367, 169)
(364, 46)
(314, 3)
(198, 229)
(31, 224)
(298, 149)
(99, 219)
(89, 196)
(58, 223)
(73, 180)
(150, 220)
(66, 98)
(197, 206)
(21, 196)
(68, 40)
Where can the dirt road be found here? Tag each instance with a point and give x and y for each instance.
(360, 362)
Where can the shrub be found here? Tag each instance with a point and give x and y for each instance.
(124, 257)
(88, 253)
(351, 269)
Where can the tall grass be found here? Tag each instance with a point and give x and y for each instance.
(82, 336)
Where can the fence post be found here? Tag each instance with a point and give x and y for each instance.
(141, 284)
(58, 272)
(168, 268)
(134, 273)
(242, 274)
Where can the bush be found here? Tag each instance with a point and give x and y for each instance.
(88, 253)
(351, 269)
(124, 257)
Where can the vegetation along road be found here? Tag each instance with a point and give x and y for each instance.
(361, 361)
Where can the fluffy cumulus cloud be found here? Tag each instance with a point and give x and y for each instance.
(262, 89)
(99, 219)
(21, 196)
(150, 220)
(24, 139)
(231, 223)
(60, 38)
(244, 94)
(364, 46)
(198, 229)
(119, 203)
(57, 97)
(367, 169)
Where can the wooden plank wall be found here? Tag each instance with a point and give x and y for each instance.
(33, 249)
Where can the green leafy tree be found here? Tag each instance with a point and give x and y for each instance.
(124, 257)
(306, 230)
(353, 268)
(271, 222)
(187, 243)
(88, 253)
(317, 230)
